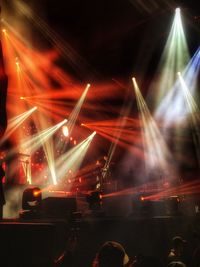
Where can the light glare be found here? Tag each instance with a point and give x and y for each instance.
(65, 131)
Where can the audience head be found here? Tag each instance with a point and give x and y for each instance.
(178, 242)
(111, 254)
(176, 264)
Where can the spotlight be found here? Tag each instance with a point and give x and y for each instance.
(94, 200)
(22, 98)
(177, 10)
(32, 198)
(65, 131)
(31, 202)
(4, 31)
(142, 207)
(142, 198)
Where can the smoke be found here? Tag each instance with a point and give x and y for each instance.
(13, 198)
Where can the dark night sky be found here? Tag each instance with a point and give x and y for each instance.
(116, 38)
(121, 37)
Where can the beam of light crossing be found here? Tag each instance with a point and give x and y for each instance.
(72, 159)
(194, 113)
(117, 133)
(15, 123)
(157, 155)
(189, 188)
(174, 58)
(40, 139)
(128, 136)
(31, 144)
(172, 109)
(191, 72)
(67, 51)
(23, 49)
(74, 114)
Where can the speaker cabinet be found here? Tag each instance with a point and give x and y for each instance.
(58, 207)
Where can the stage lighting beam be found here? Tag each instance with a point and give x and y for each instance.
(174, 58)
(156, 152)
(72, 159)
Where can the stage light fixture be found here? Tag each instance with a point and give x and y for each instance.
(142, 198)
(65, 131)
(17, 61)
(32, 199)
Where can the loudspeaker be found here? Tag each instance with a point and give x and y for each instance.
(117, 206)
(173, 206)
(58, 207)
